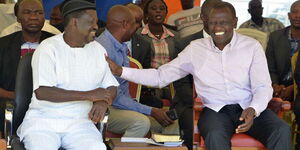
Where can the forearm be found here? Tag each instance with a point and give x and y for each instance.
(113, 92)
(7, 94)
(124, 102)
(54, 94)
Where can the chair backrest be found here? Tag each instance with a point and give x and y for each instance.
(260, 36)
(23, 91)
(135, 89)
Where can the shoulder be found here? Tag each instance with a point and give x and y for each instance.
(246, 44)
(104, 41)
(245, 24)
(17, 34)
(201, 44)
(279, 33)
(273, 20)
(94, 45)
(51, 42)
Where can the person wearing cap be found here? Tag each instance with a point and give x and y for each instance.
(72, 86)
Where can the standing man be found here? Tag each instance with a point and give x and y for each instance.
(258, 22)
(127, 116)
(188, 20)
(72, 86)
(231, 77)
(13, 46)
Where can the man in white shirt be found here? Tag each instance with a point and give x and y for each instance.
(188, 20)
(72, 86)
(231, 77)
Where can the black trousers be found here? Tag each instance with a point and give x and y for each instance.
(217, 128)
(186, 127)
(297, 114)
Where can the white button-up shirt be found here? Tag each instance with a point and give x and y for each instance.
(238, 74)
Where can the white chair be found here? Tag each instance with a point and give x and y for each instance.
(260, 36)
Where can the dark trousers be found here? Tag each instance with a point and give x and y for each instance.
(186, 127)
(217, 128)
(297, 114)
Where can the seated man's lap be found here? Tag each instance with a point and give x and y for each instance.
(133, 123)
(45, 140)
(266, 124)
(215, 122)
(170, 129)
(79, 135)
(83, 136)
(124, 121)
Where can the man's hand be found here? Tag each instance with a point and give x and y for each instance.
(100, 94)
(161, 117)
(277, 89)
(98, 111)
(286, 92)
(247, 117)
(115, 69)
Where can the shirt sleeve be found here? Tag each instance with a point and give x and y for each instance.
(165, 74)
(43, 67)
(123, 101)
(260, 81)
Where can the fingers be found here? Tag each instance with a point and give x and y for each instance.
(97, 112)
(243, 127)
(167, 120)
(161, 117)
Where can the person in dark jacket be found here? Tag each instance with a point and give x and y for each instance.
(31, 17)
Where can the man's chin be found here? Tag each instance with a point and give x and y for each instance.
(33, 30)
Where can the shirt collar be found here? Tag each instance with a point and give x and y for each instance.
(205, 34)
(229, 45)
(166, 33)
(116, 43)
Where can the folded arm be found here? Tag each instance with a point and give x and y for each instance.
(54, 94)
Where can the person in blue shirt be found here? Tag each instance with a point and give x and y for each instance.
(127, 116)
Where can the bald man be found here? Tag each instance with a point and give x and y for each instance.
(127, 116)
(14, 45)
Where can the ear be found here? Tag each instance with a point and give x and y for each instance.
(249, 11)
(74, 22)
(124, 24)
(235, 20)
(289, 15)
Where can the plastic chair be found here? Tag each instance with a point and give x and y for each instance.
(135, 89)
(238, 141)
(260, 36)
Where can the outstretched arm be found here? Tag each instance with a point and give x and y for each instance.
(160, 77)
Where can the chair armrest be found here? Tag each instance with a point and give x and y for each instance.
(279, 106)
